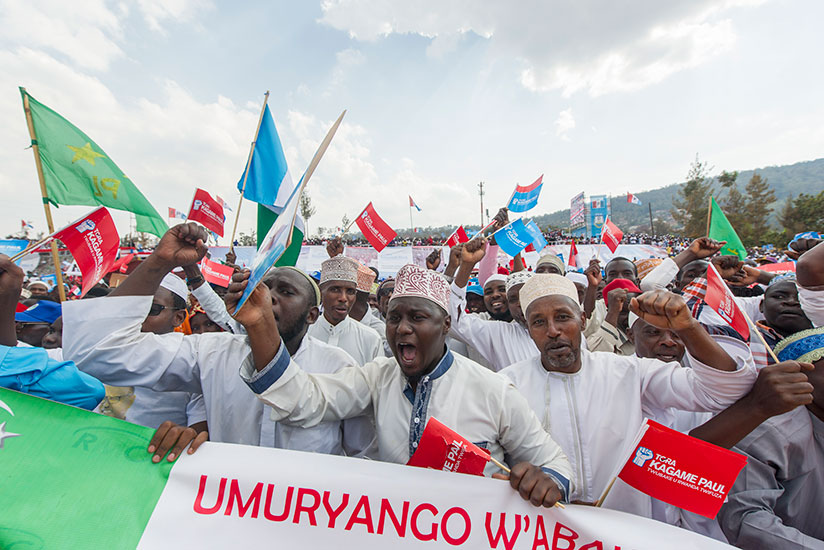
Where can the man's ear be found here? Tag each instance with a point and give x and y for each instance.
(447, 323)
(312, 315)
(180, 316)
(583, 321)
(631, 335)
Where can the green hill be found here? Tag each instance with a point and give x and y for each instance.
(792, 179)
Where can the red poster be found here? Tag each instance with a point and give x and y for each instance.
(216, 273)
(208, 211)
(440, 448)
(682, 470)
(93, 242)
(458, 237)
(611, 235)
(721, 300)
(376, 231)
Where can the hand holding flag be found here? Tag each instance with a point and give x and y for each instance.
(513, 238)
(721, 300)
(93, 241)
(457, 237)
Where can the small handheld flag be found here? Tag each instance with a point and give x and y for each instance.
(441, 448)
(573, 255)
(376, 231)
(207, 211)
(93, 242)
(720, 229)
(611, 235)
(525, 197)
(538, 241)
(721, 300)
(681, 470)
(174, 213)
(632, 199)
(216, 273)
(457, 237)
(513, 238)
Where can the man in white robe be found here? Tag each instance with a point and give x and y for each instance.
(104, 336)
(593, 402)
(423, 379)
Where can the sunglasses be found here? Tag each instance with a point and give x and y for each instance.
(157, 308)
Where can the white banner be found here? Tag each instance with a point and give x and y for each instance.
(234, 496)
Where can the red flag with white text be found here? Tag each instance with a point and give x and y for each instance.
(681, 470)
(441, 448)
(376, 231)
(611, 235)
(573, 255)
(208, 211)
(216, 273)
(93, 242)
(457, 237)
(722, 301)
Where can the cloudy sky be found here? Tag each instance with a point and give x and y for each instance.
(598, 95)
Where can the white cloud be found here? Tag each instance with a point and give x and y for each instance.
(593, 45)
(564, 123)
(156, 12)
(345, 61)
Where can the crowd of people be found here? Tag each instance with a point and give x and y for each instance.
(551, 371)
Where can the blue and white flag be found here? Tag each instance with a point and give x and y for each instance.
(538, 240)
(514, 237)
(269, 178)
(632, 199)
(525, 197)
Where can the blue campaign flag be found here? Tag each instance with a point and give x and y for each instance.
(514, 237)
(525, 197)
(10, 247)
(268, 170)
(538, 240)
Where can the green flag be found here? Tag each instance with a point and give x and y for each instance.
(77, 171)
(265, 219)
(722, 230)
(71, 478)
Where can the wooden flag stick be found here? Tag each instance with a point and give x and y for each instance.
(44, 193)
(753, 327)
(246, 172)
(31, 247)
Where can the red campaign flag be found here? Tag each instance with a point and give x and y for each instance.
(721, 300)
(376, 231)
(122, 263)
(216, 273)
(611, 235)
(682, 470)
(208, 211)
(457, 237)
(573, 255)
(93, 242)
(440, 448)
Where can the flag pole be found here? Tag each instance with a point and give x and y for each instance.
(49, 221)
(652, 227)
(411, 225)
(246, 172)
(31, 247)
(754, 327)
(709, 216)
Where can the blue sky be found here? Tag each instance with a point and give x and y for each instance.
(440, 95)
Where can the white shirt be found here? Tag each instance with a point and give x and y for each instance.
(215, 308)
(374, 322)
(500, 343)
(475, 402)
(356, 339)
(596, 412)
(104, 340)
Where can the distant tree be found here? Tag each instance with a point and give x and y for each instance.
(804, 213)
(306, 208)
(321, 231)
(692, 201)
(760, 197)
(247, 240)
(344, 223)
(734, 204)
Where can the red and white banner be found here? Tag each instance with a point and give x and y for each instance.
(93, 242)
(782, 267)
(231, 496)
(208, 211)
(457, 237)
(681, 470)
(573, 255)
(376, 231)
(441, 448)
(611, 235)
(216, 273)
(721, 300)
